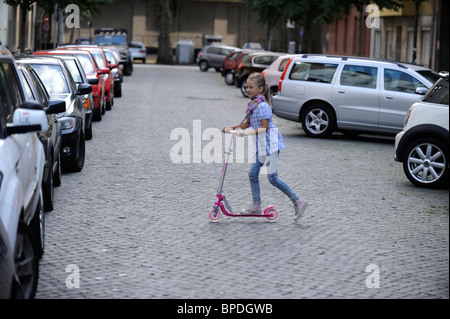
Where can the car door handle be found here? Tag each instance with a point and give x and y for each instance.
(388, 97)
(341, 92)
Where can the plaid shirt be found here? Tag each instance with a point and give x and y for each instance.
(273, 141)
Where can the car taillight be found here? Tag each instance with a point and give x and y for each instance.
(263, 72)
(86, 103)
(240, 65)
(407, 116)
(284, 74)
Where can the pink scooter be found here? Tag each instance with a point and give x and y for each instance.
(222, 204)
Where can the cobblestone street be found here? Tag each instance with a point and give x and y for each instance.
(136, 224)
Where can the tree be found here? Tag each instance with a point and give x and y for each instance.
(304, 12)
(361, 4)
(165, 55)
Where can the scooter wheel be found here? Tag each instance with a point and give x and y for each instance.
(214, 216)
(271, 214)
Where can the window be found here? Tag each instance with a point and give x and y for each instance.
(400, 81)
(27, 87)
(52, 77)
(264, 60)
(316, 72)
(86, 63)
(360, 76)
(72, 66)
(439, 93)
(14, 92)
(283, 64)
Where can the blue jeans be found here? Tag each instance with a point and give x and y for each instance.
(272, 173)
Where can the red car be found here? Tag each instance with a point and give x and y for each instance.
(102, 62)
(231, 63)
(93, 73)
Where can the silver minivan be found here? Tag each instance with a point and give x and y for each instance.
(348, 94)
(212, 56)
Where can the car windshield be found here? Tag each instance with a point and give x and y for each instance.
(53, 78)
(429, 75)
(110, 40)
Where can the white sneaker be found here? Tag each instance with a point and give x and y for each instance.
(300, 207)
(254, 209)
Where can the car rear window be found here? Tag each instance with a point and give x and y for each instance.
(311, 71)
(429, 75)
(438, 93)
(265, 60)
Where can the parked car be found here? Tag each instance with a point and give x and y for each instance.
(119, 60)
(212, 56)
(117, 38)
(254, 62)
(423, 145)
(231, 64)
(22, 162)
(138, 51)
(51, 139)
(60, 85)
(253, 46)
(273, 73)
(115, 71)
(349, 94)
(79, 76)
(100, 58)
(93, 74)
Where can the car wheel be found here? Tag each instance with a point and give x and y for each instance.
(203, 65)
(57, 174)
(26, 264)
(48, 187)
(229, 78)
(78, 161)
(318, 120)
(118, 89)
(426, 164)
(38, 227)
(88, 132)
(243, 87)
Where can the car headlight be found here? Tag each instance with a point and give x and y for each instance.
(67, 123)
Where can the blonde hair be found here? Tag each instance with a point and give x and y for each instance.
(260, 81)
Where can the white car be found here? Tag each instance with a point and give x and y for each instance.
(273, 73)
(138, 51)
(22, 160)
(349, 94)
(423, 145)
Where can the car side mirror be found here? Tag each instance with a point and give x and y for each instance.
(31, 105)
(421, 90)
(93, 81)
(27, 120)
(55, 107)
(83, 89)
(103, 71)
